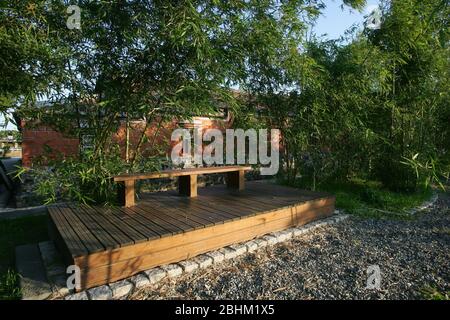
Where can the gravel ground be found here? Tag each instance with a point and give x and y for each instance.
(331, 263)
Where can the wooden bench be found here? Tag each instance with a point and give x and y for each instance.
(187, 180)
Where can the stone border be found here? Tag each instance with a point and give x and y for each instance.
(123, 288)
(425, 205)
(16, 213)
(23, 212)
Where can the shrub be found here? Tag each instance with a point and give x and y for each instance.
(86, 180)
(396, 176)
(9, 289)
(371, 197)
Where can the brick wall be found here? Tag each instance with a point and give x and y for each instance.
(35, 141)
(159, 137)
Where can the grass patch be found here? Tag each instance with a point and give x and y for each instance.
(9, 285)
(13, 233)
(431, 293)
(370, 200)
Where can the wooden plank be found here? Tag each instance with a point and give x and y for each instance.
(263, 190)
(97, 229)
(161, 226)
(235, 204)
(260, 202)
(126, 227)
(207, 206)
(70, 237)
(165, 228)
(285, 200)
(126, 193)
(91, 243)
(213, 217)
(229, 206)
(208, 198)
(58, 240)
(144, 222)
(245, 203)
(172, 210)
(116, 233)
(135, 221)
(179, 172)
(167, 215)
(182, 207)
(273, 190)
(296, 214)
(229, 212)
(184, 245)
(267, 193)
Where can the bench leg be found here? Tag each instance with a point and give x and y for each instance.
(187, 185)
(236, 180)
(125, 193)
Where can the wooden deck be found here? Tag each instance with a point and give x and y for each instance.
(109, 244)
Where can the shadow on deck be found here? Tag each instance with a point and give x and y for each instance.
(109, 244)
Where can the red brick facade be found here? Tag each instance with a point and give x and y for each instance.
(37, 141)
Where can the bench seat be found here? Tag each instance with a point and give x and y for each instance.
(187, 180)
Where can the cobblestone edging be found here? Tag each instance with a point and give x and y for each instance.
(425, 205)
(123, 288)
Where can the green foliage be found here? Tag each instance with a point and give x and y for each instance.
(5, 150)
(395, 175)
(156, 60)
(87, 180)
(431, 293)
(431, 171)
(32, 53)
(370, 199)
(149, 60)
(362, 108)
(13, 233)
(6, 133)
(9, 286)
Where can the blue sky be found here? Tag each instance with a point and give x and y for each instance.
(333, 22)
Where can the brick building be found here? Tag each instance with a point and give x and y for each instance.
(39, 140)
(43, 141)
